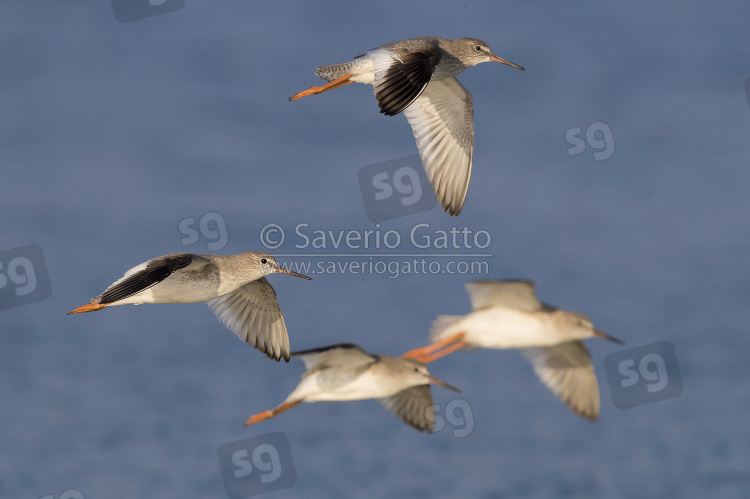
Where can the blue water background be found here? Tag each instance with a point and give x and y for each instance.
(111, 133)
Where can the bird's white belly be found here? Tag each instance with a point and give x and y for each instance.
(178, 288)
(363, 387)
(506, 328)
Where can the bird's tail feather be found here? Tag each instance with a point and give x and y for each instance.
(330, 73)
(441, 326)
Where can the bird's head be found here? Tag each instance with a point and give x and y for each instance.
(474, 51)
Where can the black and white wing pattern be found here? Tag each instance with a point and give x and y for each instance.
(400, 78)
(148, 274)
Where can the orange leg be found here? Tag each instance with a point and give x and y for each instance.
(89, 307)
(338, 82)
(423, 351)
(262, 416)
(426, 359)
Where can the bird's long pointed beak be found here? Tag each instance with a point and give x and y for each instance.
(601, 334)
(442, 383)
(499, 59)
(279, 268)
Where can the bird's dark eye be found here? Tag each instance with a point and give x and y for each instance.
(416, 369)
(478, 48)
(263, 260)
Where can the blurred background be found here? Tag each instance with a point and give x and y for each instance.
(613, 172)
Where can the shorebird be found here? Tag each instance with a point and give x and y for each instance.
(417, 76)
(233, 285)
(507, 314)
(346, 372)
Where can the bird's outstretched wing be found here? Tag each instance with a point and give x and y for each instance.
(253, 313)
(148, 274)
(400, 78)
(414, 406)
(518, 294)
(340, 355)
(566, 369)
(442, 119)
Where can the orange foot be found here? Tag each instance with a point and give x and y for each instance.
(426, 355)
(338, 82)
(90, 307)
(257, 418)
(262, 416)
